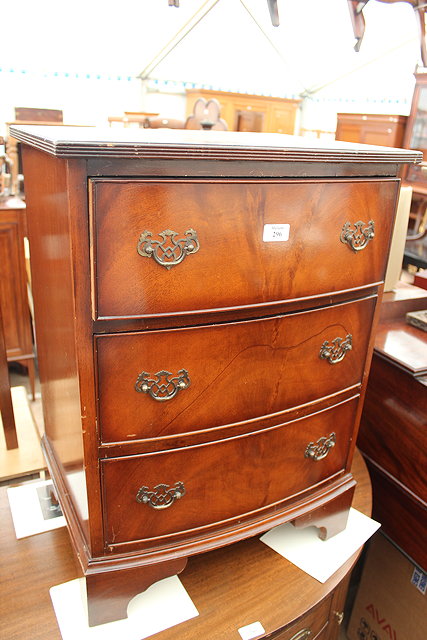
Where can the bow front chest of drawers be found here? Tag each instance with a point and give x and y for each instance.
(204, 313)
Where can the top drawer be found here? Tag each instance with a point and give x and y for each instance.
(225, 254)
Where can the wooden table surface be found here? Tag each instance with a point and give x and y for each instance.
(416, 252)
(231, 587)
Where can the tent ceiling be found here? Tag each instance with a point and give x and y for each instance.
(233, 47)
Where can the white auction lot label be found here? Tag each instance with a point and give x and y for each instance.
(276, 232)
(251, 631)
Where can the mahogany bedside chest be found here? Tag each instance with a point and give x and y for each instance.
(204, 308)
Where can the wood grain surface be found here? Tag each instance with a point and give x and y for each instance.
(168, 144)
(234, 266)
(230, 587)
(91, 279)
(17, 322)
(392, 432)
(226, 481)
(6, 406)
(236, 371)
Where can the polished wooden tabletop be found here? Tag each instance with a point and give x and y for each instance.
(397, 341)
(230, 587)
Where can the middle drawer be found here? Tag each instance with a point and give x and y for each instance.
(172, 382)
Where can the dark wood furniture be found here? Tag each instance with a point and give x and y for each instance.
(416, 138)
(258, 585)
(358, 21)
(6, 406)
(369, 128)
(393, 435)
(416, 253)
(13, 286)
(34, 114)
(132, 118)
(27, 115)
(159, 122)
(420, 278)
(206, 115)
(204, 325)
(244, 112)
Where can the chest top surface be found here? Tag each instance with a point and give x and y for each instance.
(74, 142)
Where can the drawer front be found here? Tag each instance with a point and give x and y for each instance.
(223, 480)
(224, 254)
(308, 626)
(232, 372)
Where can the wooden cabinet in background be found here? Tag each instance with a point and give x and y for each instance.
(416, 138)
(27, 115)
(416, 130)
(13, 286)
(244, 112)
(384, 130)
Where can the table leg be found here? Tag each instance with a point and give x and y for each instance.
(6, 406)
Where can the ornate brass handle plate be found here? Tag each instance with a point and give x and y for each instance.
(335, 351)
(162, 496)
(320, 449)
(162, 388)
(339, 616)
(170, 251)
(358, 237)
(302, 635)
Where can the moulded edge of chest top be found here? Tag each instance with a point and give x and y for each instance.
(208, 168)
(182, 152)
(94, 142)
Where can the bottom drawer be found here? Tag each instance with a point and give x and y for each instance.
(163, 494)
(310, 626)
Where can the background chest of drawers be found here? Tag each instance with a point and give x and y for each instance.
(202, 380)
(392, 434)
(382, 129)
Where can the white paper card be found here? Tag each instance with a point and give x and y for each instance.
(320, 558)
(27, 514)
(163, 605)
(276, 232)
(251, 631)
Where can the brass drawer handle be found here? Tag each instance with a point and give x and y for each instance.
(335, 351)
(320, 449)
(162, 388)
(162, 497)
(339, 616)
(358, 237)
(170, 251)
(302, 635)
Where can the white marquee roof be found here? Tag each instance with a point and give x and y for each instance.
(234, 46)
